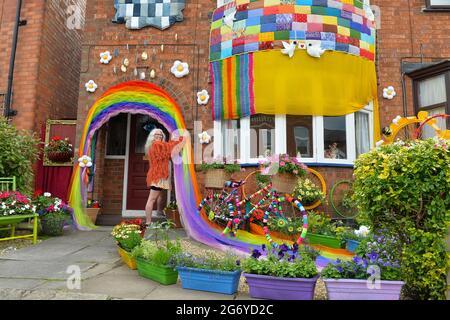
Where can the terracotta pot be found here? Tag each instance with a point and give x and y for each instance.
(59, 156)
(284, 182)
(93, 213)
(174, 216)
(216, 178)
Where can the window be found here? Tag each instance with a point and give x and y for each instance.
(299, 135)
(438, 4)
(116, 135)
(431, 87)
(262, 135)
(313, 139)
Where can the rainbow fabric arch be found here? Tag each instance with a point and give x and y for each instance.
(140, 97)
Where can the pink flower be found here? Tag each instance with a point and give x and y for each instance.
(295, 171)
(282, 163)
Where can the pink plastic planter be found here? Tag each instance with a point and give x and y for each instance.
(353, 289)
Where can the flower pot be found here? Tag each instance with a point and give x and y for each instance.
(52, 226)
(352, 245)
(284, 182)
(162, 274)
(174, 216)
(226, 282)
(93, 213)
(127, 258)
(355, 289)
(56, 156)
(216, 178)
(326, 241)
(277, 288)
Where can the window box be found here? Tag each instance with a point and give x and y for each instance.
(226, 282)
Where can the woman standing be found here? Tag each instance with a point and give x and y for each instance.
(159, 153)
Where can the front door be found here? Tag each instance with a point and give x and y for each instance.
(137, 190)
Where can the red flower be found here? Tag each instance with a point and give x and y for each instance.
(56, 138)
(37, 193)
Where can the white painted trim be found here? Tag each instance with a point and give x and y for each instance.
(115, 157)
(245, 139)
(125, 169)
(217, 139)
(133, 213)
(351, 137)
(280, 134)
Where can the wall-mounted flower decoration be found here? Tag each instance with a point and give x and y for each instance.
(204, 137)
(85, 161)
(389, 93)
(126, 62)
(91, 86)
(179, 69)
(396, 119)
(105, 57)
(379, 143)
(123, 68)
(144, 56)
(202, 97)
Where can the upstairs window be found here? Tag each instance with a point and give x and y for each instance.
(438, 4)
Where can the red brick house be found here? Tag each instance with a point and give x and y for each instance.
(412, 52)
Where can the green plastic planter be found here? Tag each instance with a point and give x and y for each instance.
(161, 274)
(326, 241)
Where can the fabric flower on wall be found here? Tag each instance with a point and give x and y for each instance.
(389, 93)
(180, 69)
(91, 86)
(202, 97)
(204, 137)
(379, 143)
(105, 57)
(85, 161)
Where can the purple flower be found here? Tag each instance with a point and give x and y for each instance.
(373, 256)
(263, 247)
(291, 258)
(295, 248)
(280, 255)
(357, 260)
(339, 269)
(238, 262)
(284, 247)
(256, 253)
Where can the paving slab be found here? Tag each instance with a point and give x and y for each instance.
(93, 254)
(28, 284)
(44, 251)
(175, 292)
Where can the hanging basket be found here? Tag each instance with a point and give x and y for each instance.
(216, 178)
(56, 156)
(284, 182)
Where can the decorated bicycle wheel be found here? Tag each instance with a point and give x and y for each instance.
(341, 199)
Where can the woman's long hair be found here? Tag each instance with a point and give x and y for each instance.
(151, 138)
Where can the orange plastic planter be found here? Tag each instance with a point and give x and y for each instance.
(127, 258)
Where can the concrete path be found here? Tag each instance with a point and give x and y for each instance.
(45, 270)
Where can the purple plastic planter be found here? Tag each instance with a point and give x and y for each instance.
(354, 289)
(276, 288)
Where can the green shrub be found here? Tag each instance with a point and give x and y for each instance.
(18, 152)
(209, 260)
(404, 189)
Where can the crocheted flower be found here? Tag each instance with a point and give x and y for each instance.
(396, 119)
(204, 137)
(389, 93)
(202, 97)
(379, 143)
(85, 161)
(105, 57)
(179, 69)
(91, 86)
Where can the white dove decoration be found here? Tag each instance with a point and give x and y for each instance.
(229, 18)
(289, 48)
(368, 10)
(313, 48)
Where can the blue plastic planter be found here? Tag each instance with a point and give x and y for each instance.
(352, 245)
(209, 280)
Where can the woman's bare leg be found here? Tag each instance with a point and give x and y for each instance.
(160, 204)
(152, 198)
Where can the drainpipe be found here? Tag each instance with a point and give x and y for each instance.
(8, 111)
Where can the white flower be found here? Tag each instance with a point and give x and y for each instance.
(389, 92)
(47, 194)
(396, 119)
(379, 143)
(363, 231)
(11, 211)
(179, 69)
(27, 206)
(85, 161)
(91, 86)
(105, 57)
(204, 137)
(202, 97)
(34, 209)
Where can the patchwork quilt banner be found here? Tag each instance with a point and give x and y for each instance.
(137, 14)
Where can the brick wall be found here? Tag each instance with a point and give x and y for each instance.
(405, 29)
(47, 61)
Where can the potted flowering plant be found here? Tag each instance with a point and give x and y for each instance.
(15, 208)
(92, 210)
(53, 213)
(218, 170)
(307, 192)
(155, 259)
(352, 237)
(376, 261)
(209, 272)
(59, 149)
(173, 215)
(284, 170)
(128, 236)
(283, 274)
(322, 231)
(287, 229)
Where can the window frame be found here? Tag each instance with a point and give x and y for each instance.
(427, 73)
(431, 7)
(281, 141)
(117, 157)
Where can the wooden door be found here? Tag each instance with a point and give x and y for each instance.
(137, 190)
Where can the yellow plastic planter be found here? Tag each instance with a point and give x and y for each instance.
(127, 258)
